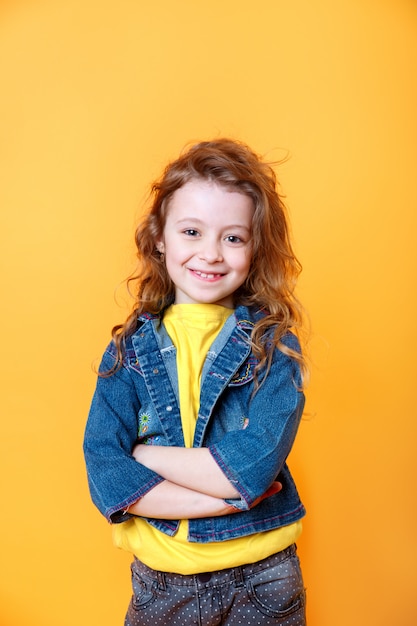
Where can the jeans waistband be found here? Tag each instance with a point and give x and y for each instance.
(220, 576)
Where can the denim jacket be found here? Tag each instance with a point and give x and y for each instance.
(248, 434)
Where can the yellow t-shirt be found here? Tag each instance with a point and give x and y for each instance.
(193, 328)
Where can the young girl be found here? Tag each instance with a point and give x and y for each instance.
(199, 398)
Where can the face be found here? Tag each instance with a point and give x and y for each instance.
(207, 242)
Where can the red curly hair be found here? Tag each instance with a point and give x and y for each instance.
(274, 267)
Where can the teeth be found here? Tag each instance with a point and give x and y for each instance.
(203, 275)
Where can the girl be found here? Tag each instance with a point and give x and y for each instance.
(199, 398)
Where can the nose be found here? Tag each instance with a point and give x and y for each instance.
(210, 251)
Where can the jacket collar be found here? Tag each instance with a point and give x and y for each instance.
(246, 317)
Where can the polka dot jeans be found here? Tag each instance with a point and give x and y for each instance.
(268, 592)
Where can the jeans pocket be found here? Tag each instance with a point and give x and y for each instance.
(278, 592)
(143, 592)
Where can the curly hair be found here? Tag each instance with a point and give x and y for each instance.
(274, 267)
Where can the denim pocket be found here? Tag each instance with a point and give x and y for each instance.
(278, 591)
(143, 592)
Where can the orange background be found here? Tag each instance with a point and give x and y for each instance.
(96, 97)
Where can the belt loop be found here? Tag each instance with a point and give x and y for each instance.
(161, 581)
(239, 578)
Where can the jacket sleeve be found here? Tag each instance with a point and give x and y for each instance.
(115, 479)
(252, 458)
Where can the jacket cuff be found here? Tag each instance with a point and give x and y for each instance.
(120, 512)
(239, 504)
(245, 501)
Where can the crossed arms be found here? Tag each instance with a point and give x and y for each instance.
(187, 483)
(194, 485)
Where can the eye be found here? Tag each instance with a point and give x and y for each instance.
(234, 239)
(191, 232)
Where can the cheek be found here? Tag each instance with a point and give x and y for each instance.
(243, 262)
(175, 257)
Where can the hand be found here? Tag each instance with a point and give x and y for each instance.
(274, 488)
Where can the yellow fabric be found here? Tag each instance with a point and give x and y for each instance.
(193, 328)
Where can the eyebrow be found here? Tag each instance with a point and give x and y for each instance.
(196, 220)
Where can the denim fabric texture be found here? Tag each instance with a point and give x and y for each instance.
(249, 435)
(268, 592)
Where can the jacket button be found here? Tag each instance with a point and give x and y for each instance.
(156, 371)
(168, 408)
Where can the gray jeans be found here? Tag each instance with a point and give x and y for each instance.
(270, 591)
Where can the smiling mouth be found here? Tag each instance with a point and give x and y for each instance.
(206, 275)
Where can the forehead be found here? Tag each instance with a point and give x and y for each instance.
(210, 202)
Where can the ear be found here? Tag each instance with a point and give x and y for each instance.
(160, 246)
